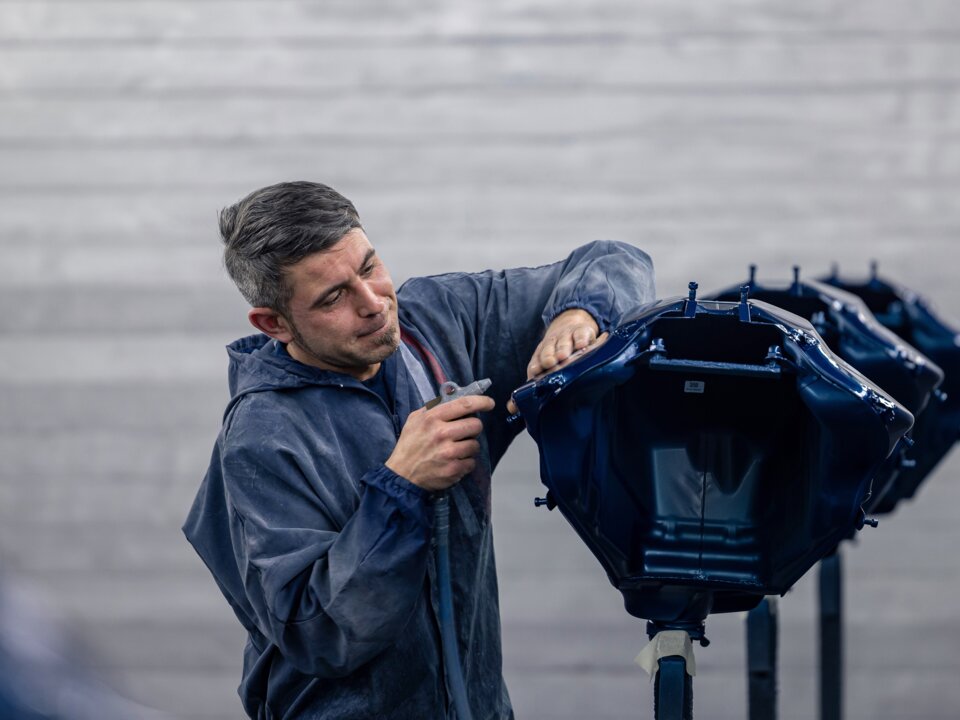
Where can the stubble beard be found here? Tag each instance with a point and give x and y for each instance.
(385, 346)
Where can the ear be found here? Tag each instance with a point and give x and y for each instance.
(270, 322)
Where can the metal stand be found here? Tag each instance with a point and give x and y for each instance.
(672, 690)
(762, 660)
(673, 685)
(831, 637)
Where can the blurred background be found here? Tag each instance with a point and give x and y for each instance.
(711, 133)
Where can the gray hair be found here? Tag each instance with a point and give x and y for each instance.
(275, 227)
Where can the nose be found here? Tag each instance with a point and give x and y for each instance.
(369, 302)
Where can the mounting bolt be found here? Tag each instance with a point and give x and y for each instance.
(548, 501)
(692, 287)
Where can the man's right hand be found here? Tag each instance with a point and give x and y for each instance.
(437, 447)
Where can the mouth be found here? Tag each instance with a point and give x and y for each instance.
(374, 330)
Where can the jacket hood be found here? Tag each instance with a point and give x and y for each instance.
(258, 363)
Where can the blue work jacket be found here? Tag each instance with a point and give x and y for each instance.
(324, 553)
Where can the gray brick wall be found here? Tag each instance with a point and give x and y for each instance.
(711, 133)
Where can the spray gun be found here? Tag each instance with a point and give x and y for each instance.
(451, 391)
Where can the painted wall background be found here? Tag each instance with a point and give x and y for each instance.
(712, 133)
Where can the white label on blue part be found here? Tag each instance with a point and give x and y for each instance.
(694, 386)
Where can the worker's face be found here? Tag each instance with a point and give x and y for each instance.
(343, 312)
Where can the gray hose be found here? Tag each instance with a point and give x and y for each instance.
(448, 629)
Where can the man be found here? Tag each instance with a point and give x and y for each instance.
(315, 516)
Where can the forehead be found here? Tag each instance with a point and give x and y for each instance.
(330, 266)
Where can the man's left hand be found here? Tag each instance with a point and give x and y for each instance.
(571, 331)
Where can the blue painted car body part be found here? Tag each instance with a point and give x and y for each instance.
(937, 428)
(709, 453)
(851, 331)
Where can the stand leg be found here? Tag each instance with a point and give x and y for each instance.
(673, 690)
(762, 660)
(831, 638)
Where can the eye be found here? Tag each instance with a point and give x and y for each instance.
(333, 298)
(367, 270)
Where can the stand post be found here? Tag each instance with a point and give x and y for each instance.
(831, 637)
(762, 660)
(666, 657)
(672, 690)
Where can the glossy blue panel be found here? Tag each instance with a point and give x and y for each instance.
(709, 453)
(907, 314)
(852, 331)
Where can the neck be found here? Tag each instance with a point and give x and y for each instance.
(306, 357)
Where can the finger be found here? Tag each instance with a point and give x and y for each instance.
(563, 347)
(466, 405)
(595, 343)
(512, 408)
(574, 356)
(466, 449)
(534, 368)
(600, 340)
(456, 430)
(548, 354)
(583, 336)
(464, 467)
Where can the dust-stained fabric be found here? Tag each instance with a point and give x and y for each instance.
(324, 553)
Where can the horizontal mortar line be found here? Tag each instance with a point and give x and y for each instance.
(415, 140)
(68, 525)
(178, 494)
(412, 139)
(627, 186)
(641, 218)
(119, 387)
(608, 669)
(151, 2)
(648, 215)
(155, 432)
(419, 39)
(159, 664)
(228, 625)
(74, 3)
(19, 569)
(79, 336)
(704, 221)
(218, 188)
(187, 569)
(533, 88)
(100, 571)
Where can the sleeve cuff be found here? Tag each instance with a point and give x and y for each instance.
(412, 499)
(603, 323)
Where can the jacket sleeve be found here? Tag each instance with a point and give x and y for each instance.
(502, 315)
(332, 572)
